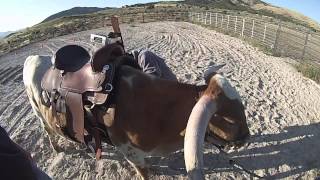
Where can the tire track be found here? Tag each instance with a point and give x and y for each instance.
(5, 73)
(18, 78)
(4, 70)
(11, 76)
(12, 108)
(19, 118)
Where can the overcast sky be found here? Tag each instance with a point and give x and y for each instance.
(18, 14)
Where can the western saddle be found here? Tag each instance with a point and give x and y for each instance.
(77, 86)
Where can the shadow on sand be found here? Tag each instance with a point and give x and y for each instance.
(293, 151)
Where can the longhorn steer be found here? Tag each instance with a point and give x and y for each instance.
(151, 115)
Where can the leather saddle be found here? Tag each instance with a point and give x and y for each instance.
(73, 87)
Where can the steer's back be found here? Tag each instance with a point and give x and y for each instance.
(151, 113)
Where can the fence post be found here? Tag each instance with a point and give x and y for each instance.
(198, 17)
(216, 19)
(205, 19)
(193, 14)
(252, 28)
(275, 47)
(143, 17)
(243, 22)
(202, 17)
(264, 32)
(305, 44)
(9, 44)
(221, 21)
(228, 22)
(210, 18)
(235, 24)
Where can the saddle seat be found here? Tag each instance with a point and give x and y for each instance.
(71, 58)
(71, 85)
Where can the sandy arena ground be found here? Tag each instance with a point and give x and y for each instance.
(283, 107)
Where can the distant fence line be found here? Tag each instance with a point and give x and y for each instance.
(279, 38)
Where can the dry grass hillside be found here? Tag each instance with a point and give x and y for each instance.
(288, 13)
(258, 7)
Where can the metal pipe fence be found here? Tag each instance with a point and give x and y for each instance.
(280, 38)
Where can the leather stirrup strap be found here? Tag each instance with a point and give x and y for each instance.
(94, 131)
(97, 140)
(53, 104)
(74, 103)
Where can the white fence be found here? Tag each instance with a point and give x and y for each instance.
(281, 39)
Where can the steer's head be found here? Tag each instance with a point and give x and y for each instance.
(221, 108)
(228, 125)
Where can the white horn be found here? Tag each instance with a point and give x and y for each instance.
(194, 137)
(212, 70)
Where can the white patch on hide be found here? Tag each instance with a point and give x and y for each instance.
(228, 90)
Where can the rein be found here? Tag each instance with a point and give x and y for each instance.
(235, 164)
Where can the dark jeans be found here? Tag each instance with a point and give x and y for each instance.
(16, 163)
(153, 64)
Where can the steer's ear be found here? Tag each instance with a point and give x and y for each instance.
(211, 71)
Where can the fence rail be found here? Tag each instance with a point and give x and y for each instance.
(281, 39)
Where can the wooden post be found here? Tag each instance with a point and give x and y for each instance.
(305, 45)
(228, 22)
(216, 19)
(243, 22)
(276, 42)
(252, 28)
(264, 32)
(198, 17)
(210, 18)
(235, 24)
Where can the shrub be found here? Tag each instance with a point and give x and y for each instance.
(309, 70)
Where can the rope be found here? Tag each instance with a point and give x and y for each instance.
(236, 164)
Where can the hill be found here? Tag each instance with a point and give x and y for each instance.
(4, 34)
(74, 11)
(258, 7)
(295, 16)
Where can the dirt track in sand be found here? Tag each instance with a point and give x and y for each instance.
(283, 108)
